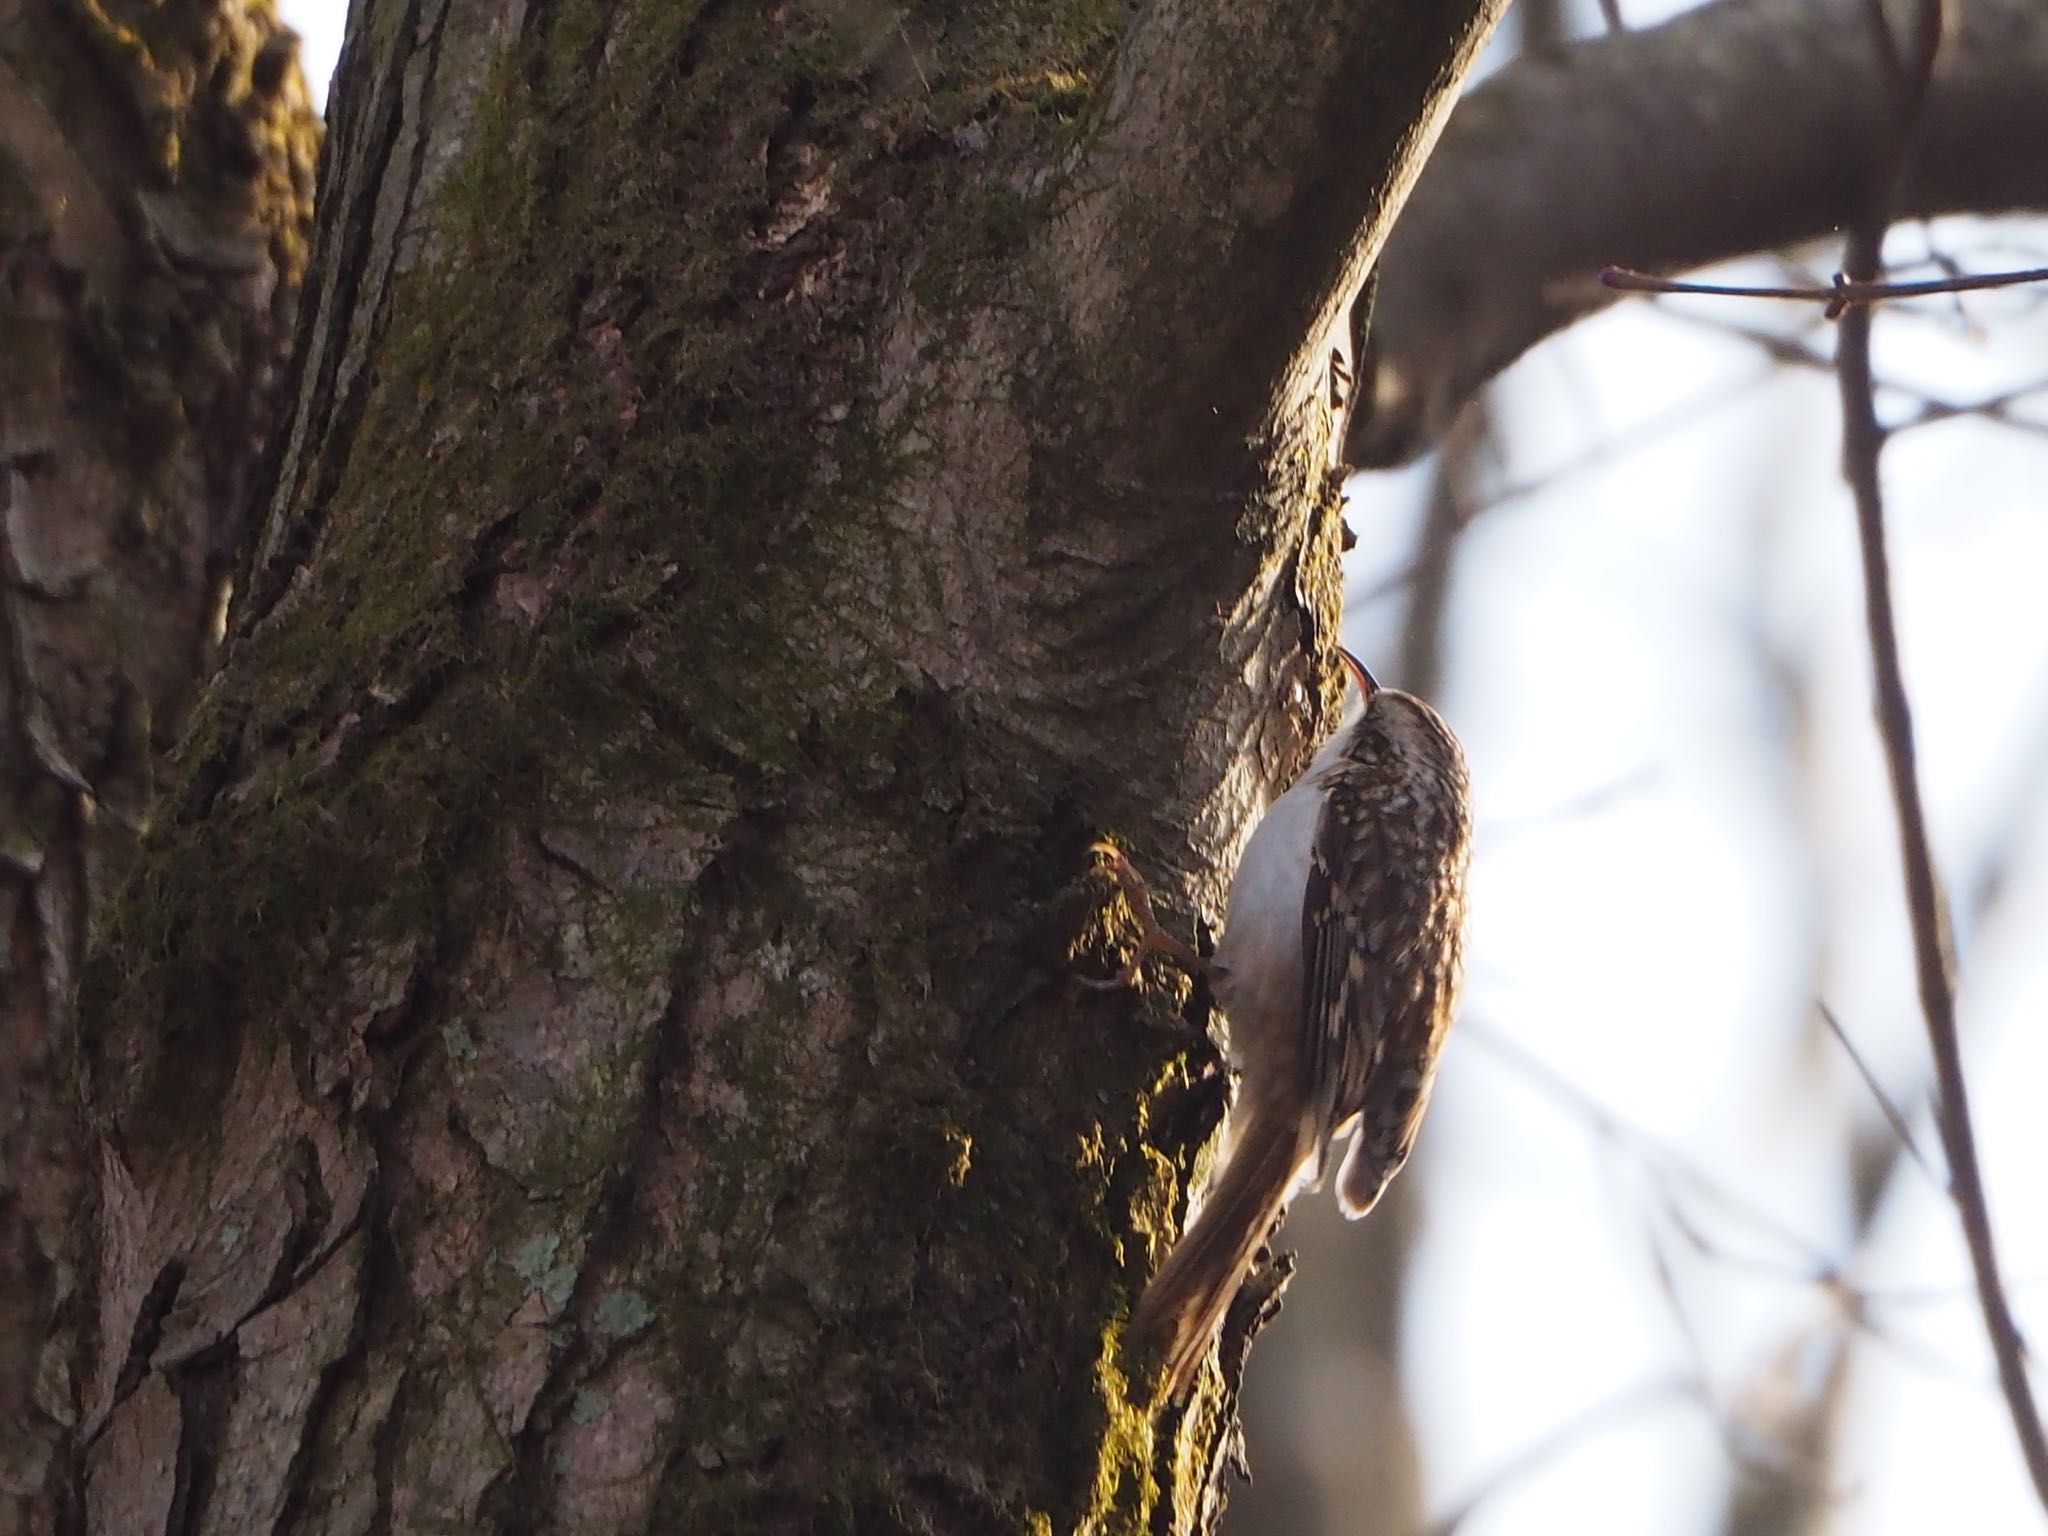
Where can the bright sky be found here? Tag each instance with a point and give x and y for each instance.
(319, 24)
(1635, 627)
(1673, 864)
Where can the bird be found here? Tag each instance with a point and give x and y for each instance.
(1338, 970)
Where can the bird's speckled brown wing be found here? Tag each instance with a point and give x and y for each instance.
(1344, 889)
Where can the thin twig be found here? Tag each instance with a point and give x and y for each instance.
(1596, 801)
(1927, 409)
(1606, 453)
(1619, 1411)
(1892, 1116)
(1675, 1182)
(1842, 295)
(1862, 443)
(1665, 1164)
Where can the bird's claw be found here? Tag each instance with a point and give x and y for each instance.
(1152, 939)
(1116, 983)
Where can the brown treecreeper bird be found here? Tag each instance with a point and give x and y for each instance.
(1338, 969)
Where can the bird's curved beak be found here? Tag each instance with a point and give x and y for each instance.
(1368, 685)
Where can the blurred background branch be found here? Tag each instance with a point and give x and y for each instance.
(1740, 126)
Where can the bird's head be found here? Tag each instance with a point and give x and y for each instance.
(1399, 730)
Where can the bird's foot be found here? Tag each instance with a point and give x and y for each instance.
(1152, 939)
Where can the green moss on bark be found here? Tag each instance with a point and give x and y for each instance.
(581, 552)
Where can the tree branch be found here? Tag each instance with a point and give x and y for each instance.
(1934, 964)
(1837, 296)
(1742, 126)
(1248, 165)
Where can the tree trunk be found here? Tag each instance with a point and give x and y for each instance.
(156, 181)
(591, 1042)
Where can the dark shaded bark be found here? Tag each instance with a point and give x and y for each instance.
(156, 169)
(591, 1043)
(1738, 127)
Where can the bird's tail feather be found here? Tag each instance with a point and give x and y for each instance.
(1177, 1316)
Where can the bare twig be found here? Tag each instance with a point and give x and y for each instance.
(1793, 351)
(1678, 1185)
(1668, 1168)
(1840, 296)
(1598, 1419)
(1893, 1117)
(1588, 803)
(1685, 414)
(1862, 443)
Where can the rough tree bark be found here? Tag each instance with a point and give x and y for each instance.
(589, 1040)
(156, 180)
